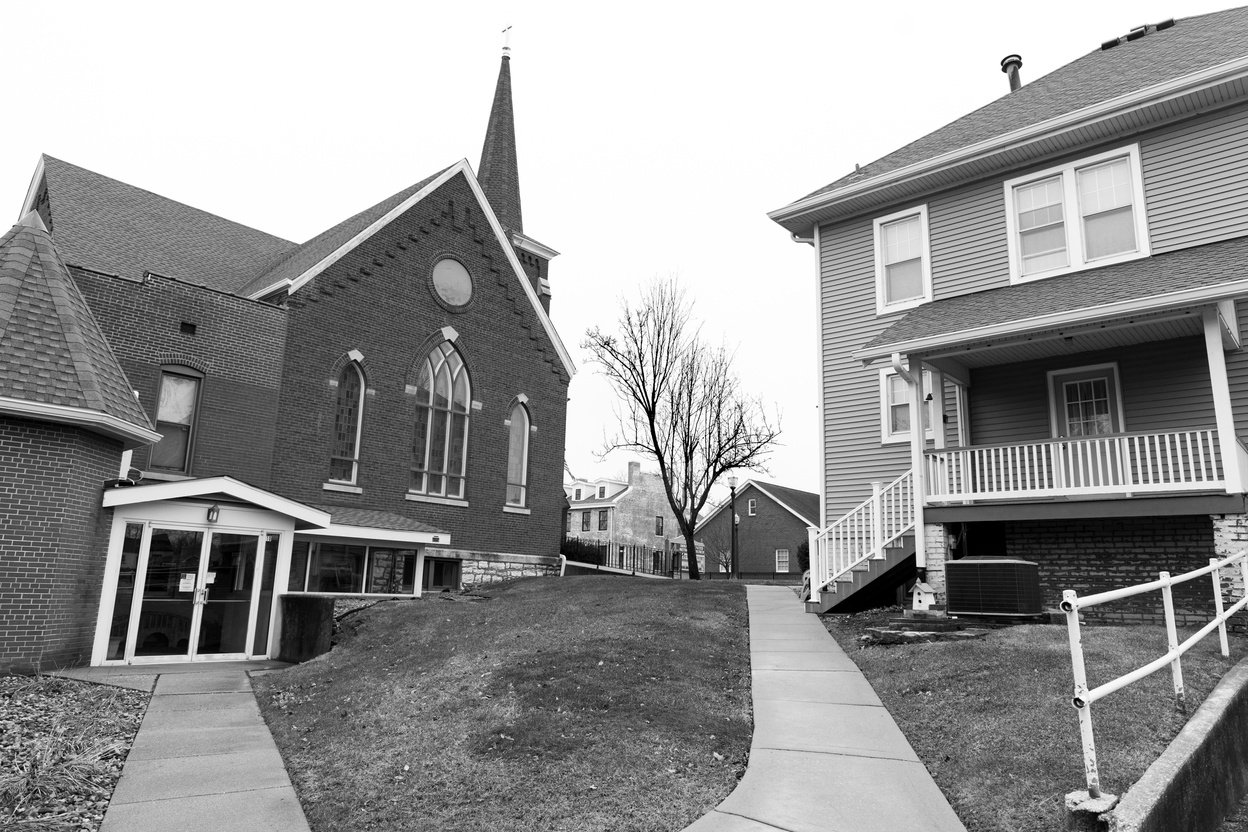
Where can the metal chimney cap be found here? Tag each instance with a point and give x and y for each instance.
(1011, 60)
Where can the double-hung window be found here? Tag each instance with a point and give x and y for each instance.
(584, 521)
(602, 519)
(751, 507)
(176, 412)
(1081, 215)
(903, 261)
(782, 560)
(895, 407)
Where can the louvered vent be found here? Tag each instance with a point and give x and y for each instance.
(993, 586)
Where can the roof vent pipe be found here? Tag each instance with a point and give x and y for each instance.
(1010, 65)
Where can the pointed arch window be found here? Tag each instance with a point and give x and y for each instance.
(440, 439)
(348, 421)
(518, 455)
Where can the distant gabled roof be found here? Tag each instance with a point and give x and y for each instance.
(55, 363)
(803, 505)
(302, 258)
(1192, 45)
(108, 226)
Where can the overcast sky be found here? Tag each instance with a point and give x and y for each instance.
(653, 136)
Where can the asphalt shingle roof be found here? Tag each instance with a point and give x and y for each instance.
(108, 226)
(1191, 45)
(803, 502)
(303, 257)
(376, 519)
(53, 350)
(1189, 268)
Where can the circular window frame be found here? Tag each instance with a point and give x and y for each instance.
(433, 288)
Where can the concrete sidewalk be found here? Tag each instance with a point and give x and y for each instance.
(826, 755)
(203, 760)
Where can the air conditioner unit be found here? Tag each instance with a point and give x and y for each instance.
(992, 586)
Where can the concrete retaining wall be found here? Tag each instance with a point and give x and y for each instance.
(1202, 775)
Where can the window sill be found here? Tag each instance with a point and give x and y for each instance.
(1016, 277)
(342, 487)
(516, 510)
(442, 501)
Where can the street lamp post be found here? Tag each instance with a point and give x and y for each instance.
(732, 510)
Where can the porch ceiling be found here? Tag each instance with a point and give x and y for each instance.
(1138, 329)
(1112, 296)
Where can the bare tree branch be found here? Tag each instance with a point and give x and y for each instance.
(681, 403)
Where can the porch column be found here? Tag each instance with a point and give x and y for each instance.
(1228, 443)
(917, 442)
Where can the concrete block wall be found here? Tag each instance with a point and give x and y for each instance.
(53, 540)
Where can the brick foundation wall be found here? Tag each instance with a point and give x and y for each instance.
(53, 541)
(378, 300)
(1095, 555)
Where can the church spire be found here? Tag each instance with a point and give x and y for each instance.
(498, 172)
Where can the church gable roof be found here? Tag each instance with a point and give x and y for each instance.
(57, 363)
(108, 226)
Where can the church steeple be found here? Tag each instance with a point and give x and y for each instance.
(498, 172)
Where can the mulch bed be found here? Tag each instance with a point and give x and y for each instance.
(62, 745)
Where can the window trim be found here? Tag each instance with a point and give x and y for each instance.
(353, 365)
(887, 437)
(751, 507)
(882, 307)
(1107, 370)
(192, 433)
(1073, 219)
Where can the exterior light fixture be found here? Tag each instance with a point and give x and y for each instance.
(214, 511)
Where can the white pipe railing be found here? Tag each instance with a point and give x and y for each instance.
(1125, 463)
(862, 533)
(1083, 697)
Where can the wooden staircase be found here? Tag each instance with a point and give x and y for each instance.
(865, 574)
(865, 544)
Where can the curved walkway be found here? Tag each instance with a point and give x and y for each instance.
(826, 754)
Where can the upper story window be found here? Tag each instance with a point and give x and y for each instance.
(602, 491)
(585, 521)
(177, 411)
(602, 519)
(903, 261)
(658, 524)
(577, 494)
(1085, 214)
(751, 507)
(895, 407)
(348, 420)
(440, 439)
(518, 455)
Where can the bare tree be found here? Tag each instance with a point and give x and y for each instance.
(681, 402)
(718, 551)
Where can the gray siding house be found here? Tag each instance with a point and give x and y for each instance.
(1032, 323)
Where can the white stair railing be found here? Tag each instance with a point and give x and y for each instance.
(861, 534)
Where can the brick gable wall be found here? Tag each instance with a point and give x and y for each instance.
(55, 540)
(377, 299)
(238, 345)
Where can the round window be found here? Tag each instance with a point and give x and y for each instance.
(452, 282)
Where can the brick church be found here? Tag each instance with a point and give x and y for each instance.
(197, 417)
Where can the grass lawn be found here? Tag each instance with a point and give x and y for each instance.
(589, 703)
(993, 722)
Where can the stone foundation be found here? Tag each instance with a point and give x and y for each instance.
(480, 568)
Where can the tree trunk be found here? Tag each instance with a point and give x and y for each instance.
(691, 555)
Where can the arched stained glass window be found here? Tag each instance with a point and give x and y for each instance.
(440, 440)
(518, 456)
(348, 413)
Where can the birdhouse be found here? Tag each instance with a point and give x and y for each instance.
(923, 597)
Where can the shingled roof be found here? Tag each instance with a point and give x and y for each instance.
(1192, 44)
(304, 257)
(1160, 278)
(108, 226)
(57, 364)
(366, 518)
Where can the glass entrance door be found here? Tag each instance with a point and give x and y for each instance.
(198, 595)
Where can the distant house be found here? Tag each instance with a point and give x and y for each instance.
(772, 527)
(197, 417)
(1033, 324)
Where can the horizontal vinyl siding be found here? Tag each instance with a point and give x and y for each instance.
(851, 413)
(1196, 181)
(1165, 387)
(968, 241)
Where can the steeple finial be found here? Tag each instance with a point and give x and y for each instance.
(498, 172)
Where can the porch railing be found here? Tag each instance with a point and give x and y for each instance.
(862, 533)
(1125, 463)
